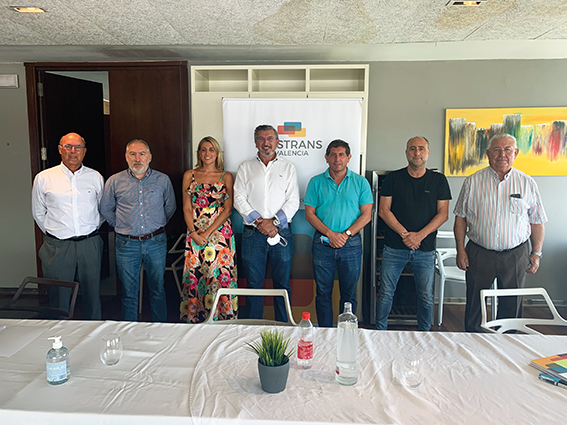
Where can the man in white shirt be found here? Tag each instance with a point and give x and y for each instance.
(499, 209)
(266, 194)
(65, 206)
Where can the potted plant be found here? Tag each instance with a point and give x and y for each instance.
(273, 359)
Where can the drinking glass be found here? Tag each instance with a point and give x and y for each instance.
(412, 376)
(111, 350)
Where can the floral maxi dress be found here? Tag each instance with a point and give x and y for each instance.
(210, 267)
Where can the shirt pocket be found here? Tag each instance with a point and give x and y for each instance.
(517, 206)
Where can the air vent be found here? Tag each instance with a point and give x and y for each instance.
(139, 53)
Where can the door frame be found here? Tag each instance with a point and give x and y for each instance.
(32, 74)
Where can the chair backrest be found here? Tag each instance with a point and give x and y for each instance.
(441, 255)
(445, 234)
(518, 324)
(249, 291)
(45, 312)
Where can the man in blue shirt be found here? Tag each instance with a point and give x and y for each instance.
(338, 204)
(138, 203)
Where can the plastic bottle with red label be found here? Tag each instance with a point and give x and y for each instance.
(305, 342)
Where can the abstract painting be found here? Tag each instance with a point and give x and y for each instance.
(541, 134)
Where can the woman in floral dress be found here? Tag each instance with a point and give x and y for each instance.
(210, 261)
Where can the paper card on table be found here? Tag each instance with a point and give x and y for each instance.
(553, 365)
(13, 338)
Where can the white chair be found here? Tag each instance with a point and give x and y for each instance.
(174, 268)
(518, 324)
(453, 273)
(249, 291)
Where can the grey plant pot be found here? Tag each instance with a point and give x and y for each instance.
(273, 378)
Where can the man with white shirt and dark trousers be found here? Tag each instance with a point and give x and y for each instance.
(499, 209)
(266, 194)
(138, 202)
(65, 206)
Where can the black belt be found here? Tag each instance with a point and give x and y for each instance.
(144, 237)
(74, 238)
(499, 252)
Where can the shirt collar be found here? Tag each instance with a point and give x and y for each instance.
(495, 174)
(259, 160)
(327, 175)
(69, 172)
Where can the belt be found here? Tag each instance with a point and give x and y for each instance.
(499, 252)
(144, 237)
(74, 238)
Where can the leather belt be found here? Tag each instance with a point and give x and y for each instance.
(74, 238)
(144, 237)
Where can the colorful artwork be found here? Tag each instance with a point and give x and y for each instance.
(541, 134)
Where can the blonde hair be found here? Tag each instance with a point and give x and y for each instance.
(219, 162)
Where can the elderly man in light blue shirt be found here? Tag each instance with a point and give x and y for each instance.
(338, 204)
(138, 203)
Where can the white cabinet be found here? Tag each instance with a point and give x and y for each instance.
(210, 84)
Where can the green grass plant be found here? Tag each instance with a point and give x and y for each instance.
(271, 349)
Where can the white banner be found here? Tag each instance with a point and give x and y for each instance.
(305, 127)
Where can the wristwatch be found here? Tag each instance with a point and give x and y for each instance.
(348, 233)
(538, 253)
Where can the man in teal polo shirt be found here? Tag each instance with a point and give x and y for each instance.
(338, 204)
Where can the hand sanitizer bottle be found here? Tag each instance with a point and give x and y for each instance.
(57, 363)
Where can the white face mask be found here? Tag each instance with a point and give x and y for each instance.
(277, 240)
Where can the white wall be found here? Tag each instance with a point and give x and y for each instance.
(410, 98)
(17, 246)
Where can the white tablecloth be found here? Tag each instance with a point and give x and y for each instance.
(201, 374)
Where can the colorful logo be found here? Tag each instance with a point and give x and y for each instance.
(292, 129)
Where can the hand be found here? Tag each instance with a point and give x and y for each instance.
(267, 227)
(534, 260)
(337, 240)
(462, 260)
(199, 239)
(411, 239)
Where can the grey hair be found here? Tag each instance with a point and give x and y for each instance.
(501, 136)
(265, 127)
(138, 141)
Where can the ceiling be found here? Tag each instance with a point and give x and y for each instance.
(227, 31)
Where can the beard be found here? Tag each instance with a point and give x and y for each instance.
(139, 171)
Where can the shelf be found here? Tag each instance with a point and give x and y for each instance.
(337, 80)
(278, 80)
(221, 80)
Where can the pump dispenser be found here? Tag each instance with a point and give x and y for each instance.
(57, 363)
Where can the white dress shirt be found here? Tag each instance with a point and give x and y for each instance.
(266, 191)
(499, 214)
(66, 204)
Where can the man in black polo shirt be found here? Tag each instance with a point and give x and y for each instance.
(414, 203)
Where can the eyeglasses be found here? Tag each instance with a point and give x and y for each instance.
(269, 139)
(507, 150)
(71, 147)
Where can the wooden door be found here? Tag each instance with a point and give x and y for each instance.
(147, 103)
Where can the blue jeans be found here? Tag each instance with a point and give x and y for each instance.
(130, 255)
(423, 266)
(255, 253)
(347, 261)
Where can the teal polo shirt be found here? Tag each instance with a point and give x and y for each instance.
(338, 206)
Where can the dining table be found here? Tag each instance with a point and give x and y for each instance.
(203, 374)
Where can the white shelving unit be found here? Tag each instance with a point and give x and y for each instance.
(210, 84)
